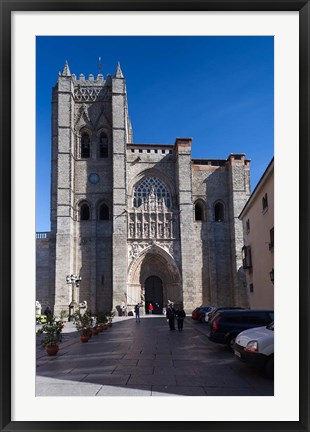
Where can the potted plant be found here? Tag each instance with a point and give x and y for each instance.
(83, 325)
(101, 321)
(52, 335)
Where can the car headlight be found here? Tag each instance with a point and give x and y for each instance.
(252, 346)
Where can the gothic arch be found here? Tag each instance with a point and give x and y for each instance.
(79, 205)
(199, 210)
(170, 269)
(219, 211)
(152, 172)
(100, 213)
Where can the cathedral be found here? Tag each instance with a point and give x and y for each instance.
(135, 222)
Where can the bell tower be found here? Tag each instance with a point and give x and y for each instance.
(90, 130)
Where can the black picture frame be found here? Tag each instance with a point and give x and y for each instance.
(7, 7)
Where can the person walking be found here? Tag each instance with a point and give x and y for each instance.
(180, 314)
(170, 314)
(151, 308)
(137, 312)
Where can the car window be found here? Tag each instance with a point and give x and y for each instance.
(234, 319)
(270, 326)
(258, 318)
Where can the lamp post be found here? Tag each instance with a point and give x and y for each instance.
(74, 281)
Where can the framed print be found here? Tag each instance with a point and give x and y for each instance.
(171, 39)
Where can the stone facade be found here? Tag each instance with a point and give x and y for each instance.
(137, 222)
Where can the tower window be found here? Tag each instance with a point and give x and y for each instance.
(85, 146)
(198, 212)
(218, 212)
(103, 146)
(104, 212)
(84, 212)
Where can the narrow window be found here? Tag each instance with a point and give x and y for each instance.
(246, 257)
(84, 212)
(198, 212)
(218, 212)
(104, 212)
(251, 288)
(85, 146)
(103, 146)
(265, 202)
(247, 225)
(271, 236)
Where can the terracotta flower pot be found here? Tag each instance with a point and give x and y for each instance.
(84, 338)
(52, 349)
(95, 331)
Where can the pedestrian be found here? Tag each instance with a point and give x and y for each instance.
(124, 310)
(137, 312)
(151, 308)
(170, 314)
(180, 314)
(48, 313)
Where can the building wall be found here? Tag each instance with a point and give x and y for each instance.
(260, 221)
(44, 272)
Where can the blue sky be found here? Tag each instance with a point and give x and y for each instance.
(217, 90)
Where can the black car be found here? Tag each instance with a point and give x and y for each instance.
(214, 311)
(227, 324)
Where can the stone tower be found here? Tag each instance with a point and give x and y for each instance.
(137, 222)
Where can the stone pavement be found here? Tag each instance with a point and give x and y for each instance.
(146, 359)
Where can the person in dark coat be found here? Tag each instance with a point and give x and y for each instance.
(170, 314)
(137, 312)
(180, 314)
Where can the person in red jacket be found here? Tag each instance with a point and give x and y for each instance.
(151, 308)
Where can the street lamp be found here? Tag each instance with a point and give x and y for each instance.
(74, 281)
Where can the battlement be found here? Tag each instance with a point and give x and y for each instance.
(91, 81)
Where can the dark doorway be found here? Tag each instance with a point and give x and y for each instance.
(154, 294)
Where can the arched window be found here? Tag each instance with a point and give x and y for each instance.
(85, 145)
(198, 211)
(103, 146)
(150, 187)
(219, 212)
(104, 212)
(84, 212)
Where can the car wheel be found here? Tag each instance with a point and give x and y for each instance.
(269, 368)
(230, 342)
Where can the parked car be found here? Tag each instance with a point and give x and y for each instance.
(216, 309)
(209, 313)
(198, 314)
(256, 347)
(227, 324)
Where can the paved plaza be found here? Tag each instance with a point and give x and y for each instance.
(146, 359)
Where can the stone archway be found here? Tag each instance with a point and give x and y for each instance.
(154, 261)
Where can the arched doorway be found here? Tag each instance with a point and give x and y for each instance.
(154, 294)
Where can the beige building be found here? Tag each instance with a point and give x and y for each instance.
(258, 227)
